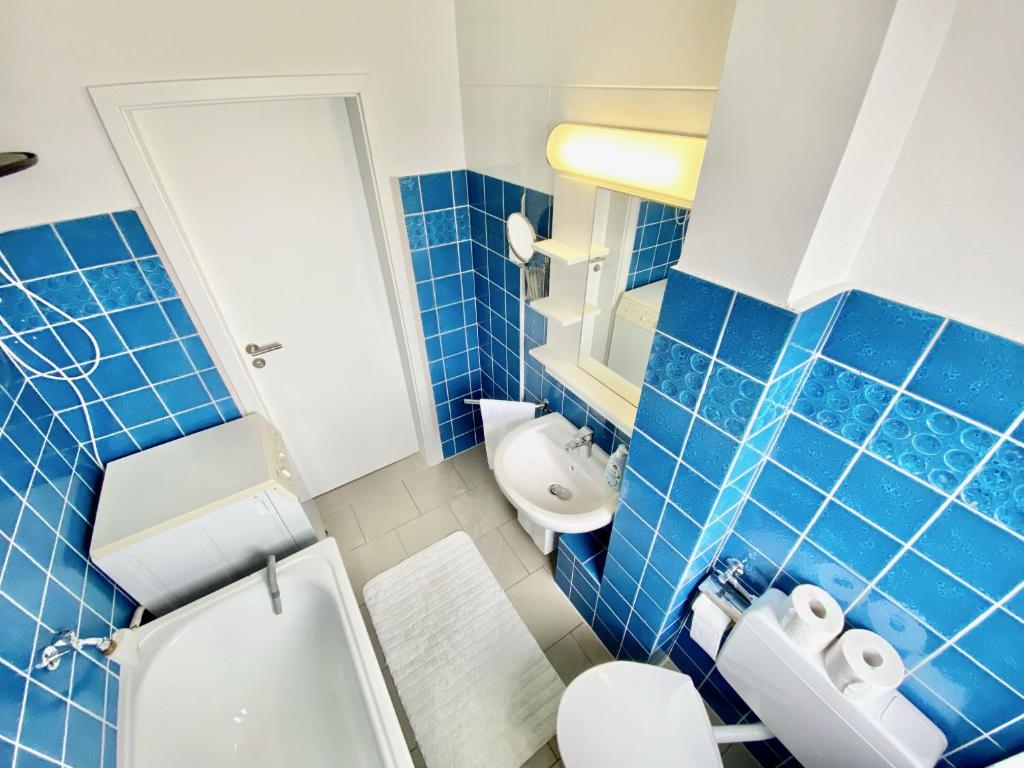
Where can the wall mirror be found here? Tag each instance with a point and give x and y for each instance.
(625, 286)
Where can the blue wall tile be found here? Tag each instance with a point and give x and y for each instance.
(754, 336)
(974, 373)
(880, 337)
(698, 313)
(657, 243)
(100, 269)
(927, 504)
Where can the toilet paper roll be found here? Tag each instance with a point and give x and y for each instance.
(812, 618)
(708, 625)
(863, 664)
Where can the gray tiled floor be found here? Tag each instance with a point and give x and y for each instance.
(381, 519)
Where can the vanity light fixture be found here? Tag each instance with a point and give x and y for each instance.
(660, 166)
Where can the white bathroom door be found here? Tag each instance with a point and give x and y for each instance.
(270, 198)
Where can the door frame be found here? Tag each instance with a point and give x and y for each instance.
(116, 105)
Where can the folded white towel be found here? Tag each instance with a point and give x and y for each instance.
(501, 417)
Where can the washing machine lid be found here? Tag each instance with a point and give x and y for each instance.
(627, 714)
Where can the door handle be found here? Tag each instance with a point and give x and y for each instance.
(255, 350)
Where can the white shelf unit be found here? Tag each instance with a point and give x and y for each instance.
(561, 313)
(568, 254)
(616, 409)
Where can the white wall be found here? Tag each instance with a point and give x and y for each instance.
(51, 51)
(527, 65)
(948, 232)
(795, 75)
(912, 44)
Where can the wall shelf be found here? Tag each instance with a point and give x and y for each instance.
(564, 315)
(568, 254)
(614, 408)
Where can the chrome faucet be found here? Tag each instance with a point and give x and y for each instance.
(275, 591)
(583, 438)
(68, 642)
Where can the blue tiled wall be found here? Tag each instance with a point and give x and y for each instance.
(468, 290)
(498, 280)
(660, 231)
(864, 446)
(437, 223)
(155, 381)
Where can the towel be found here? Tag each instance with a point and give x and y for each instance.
(501, 417)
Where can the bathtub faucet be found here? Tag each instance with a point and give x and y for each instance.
(68, 642)
(275, 592)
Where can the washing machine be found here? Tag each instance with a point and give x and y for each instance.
(636, 317)
(180, 520)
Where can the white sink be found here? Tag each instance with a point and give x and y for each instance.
(554, 490)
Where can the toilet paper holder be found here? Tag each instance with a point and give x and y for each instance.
(724, 589)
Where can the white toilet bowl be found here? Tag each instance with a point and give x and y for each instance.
(624, 714)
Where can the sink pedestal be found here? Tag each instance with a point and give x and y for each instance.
(544, 538)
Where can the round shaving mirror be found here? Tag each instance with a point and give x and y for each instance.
(521, 237)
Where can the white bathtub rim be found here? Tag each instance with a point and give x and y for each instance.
(387, 730)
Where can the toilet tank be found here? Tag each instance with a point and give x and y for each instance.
(788, 688)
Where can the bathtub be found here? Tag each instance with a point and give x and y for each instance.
(225, 682)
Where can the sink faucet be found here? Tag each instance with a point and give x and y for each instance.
(583, 438)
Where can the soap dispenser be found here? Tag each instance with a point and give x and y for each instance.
(615, 466)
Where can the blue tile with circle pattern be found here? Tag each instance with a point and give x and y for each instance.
(930, 443)
(998, 488)
(676, 370)
(842, 402)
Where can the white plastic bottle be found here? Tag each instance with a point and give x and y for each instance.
(616, 465)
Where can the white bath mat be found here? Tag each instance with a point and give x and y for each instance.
(477, 688)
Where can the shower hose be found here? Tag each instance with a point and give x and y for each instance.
(50, 370)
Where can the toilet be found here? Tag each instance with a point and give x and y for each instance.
(624, 714)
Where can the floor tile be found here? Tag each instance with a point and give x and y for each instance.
(553, 744)
(523, 545)
(403, 720)
(365, 562)
(433, 486)
(370, 483)
(545, 610)
(472, 466)
(428, 528)
(482, 509)
(342, 525)
(384, 510)
(591, 644)
(501, 559)
(542, 758)
(417, 758)
(568, 659)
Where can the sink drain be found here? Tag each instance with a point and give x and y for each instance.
(560, 492)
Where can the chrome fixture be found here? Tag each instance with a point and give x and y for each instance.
(730, 576)
(69, 641)
(724, 589)
(583, 438)
(275, 591)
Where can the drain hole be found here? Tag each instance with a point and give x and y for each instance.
(560, 492)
